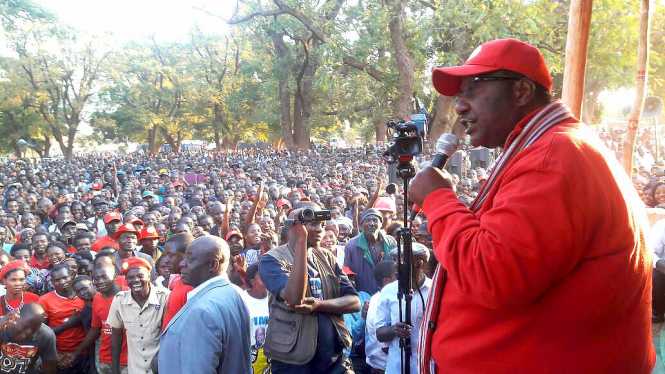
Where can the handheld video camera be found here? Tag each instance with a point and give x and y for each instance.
(309, 215)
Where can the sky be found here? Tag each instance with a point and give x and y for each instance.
(134, 20)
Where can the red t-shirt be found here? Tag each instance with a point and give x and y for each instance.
(176, 300)
(28, 298)
(104, 241)
(100, 312)
(58, 310)
(121, 282)
(41, 265)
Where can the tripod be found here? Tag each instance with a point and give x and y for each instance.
(405, 171)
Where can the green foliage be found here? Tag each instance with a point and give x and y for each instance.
(226, 88)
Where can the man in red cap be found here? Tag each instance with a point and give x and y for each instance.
(547, 270)
(136, 314)
(149, 240)
(127, 238)
(112, 221)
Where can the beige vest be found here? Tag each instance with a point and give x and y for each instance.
(292, 337)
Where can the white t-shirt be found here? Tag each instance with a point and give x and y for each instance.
(388, 314)
(656, 240)
(258, 323)
(375, 356)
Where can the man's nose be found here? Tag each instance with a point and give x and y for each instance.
(461, 105)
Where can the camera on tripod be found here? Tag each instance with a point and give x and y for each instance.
(309, 215)
(405, 144)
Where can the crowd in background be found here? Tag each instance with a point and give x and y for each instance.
(72, 231)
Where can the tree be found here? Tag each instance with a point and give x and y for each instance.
(19, 119)
(13, 12)
(307, 27)
(63, 83)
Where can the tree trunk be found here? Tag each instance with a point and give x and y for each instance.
(170, 140)
(640, 86)
(17, 151)
(303, 134)
(285, 112)
(47, 146)
(229, 143)
(298, 133)
(216, 125)
(218, 140)
(153, 145)
(380, 130)
(403, 60)
(441, 122)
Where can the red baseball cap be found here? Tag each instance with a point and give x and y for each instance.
(499, 54)
(135, 263)
(127, 227)
(148, 232)
(281, 202)
(112, 216)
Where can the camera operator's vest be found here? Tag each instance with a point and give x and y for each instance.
(292, 337)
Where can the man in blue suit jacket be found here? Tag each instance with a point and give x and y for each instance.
(210, 334)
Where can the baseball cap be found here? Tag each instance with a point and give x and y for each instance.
(500, 54)
(112, 216)
(233, 233)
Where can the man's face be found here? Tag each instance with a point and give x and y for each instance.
(112, 226)
(371, 225)
(77, 212)
(486, 108)
(236, 244)
(85, 290)
(103, 278)
(12, 207)
(138, 280)
(83, 245)
(39, 244)
(62, 280)
(206, 223)
(149, 244)
(127, 242)
(196, 266)
(69, 230)
(315, 232)
(217, 214)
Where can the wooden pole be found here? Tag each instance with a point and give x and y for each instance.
(640, 86)
(577, 40)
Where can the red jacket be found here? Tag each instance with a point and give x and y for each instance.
(552, 274)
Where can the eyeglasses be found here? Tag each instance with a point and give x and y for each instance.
(467, 92)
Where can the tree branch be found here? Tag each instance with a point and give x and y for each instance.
(367, 68)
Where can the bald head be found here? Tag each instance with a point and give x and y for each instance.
(206, 257)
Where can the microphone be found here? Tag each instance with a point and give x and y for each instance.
(444, 148)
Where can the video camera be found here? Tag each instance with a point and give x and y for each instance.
(405, 144)
(309, 215)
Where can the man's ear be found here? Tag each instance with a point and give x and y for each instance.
(524, 91)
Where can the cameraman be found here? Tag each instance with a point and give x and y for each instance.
(308, 296)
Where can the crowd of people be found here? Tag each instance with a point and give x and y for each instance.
(104, 255)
